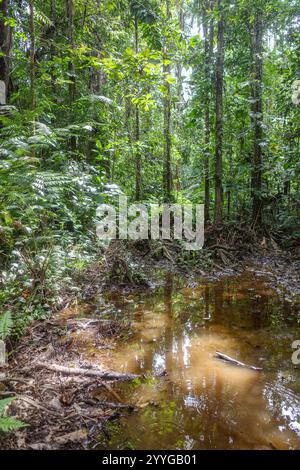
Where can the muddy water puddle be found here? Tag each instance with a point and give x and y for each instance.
(197, 401)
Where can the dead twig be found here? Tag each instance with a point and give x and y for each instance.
(34, 403)
(106, 404)
(224, 357)
(113, 393)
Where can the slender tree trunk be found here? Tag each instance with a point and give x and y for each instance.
(5, 47)
(52, 47)
(287, 188)
(208, 29)
(228, 203)
(219, 115)
(181, 20)
(32, 69)
(71, 68)
(138, 162)
(32, 57)
(287, 179)
(180, 95)
(230, 183)
(167, 122)
(257, 111)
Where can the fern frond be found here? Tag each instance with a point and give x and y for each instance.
(6, 325)
(98, 98)
(4, 403)
(6, 422)
(10, 424)
(41, 18)
(51, 183)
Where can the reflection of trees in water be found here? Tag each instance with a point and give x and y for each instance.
(207, 301)
(248, 303)
(216, 406)
(218, 295)
(168, 336)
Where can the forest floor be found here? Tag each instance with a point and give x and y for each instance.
(64, 410)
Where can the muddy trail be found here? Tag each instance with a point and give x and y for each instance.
(138, 369)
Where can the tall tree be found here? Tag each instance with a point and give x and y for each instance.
(208, 32)
(5, 46)
(70, 10)
(71, 69)
(219, 114)
(138, 157)
(142, 14)
(167, 180)
(32, 68)
(257, 114)
(32, 56)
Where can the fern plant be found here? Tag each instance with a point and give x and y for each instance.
(6, 325)
(6, 422)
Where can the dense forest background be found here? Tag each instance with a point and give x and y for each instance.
(163, 100)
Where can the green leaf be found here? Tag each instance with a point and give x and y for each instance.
(6, 324)
(10, 424)
(4, 403)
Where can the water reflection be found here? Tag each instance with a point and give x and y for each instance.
(202, 402)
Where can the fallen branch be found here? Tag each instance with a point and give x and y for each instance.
(30, 401)
(75, 436)
(221, 247)
(105, 375)
(113, 393)
(167, 254)
(109, 405)
(15, 379)
(234, 362)
(81, 321)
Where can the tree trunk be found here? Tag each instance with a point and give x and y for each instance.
(219, 115)
(167, 122)
(257, 51)
(32, 69)
(5, 47)
(208, 30)
(32, 57)
(71, 68)
(181, 20)
(52, 48)
(138, 163)
(180, 95)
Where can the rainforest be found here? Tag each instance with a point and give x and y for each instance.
(111, 342)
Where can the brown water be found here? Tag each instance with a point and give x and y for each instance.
(202, 402)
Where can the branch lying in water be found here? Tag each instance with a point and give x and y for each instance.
(105, 375)
(234, 362)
